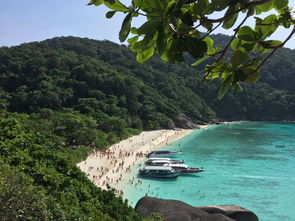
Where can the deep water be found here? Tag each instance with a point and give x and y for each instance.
(251, 164)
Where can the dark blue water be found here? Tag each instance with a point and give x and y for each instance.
(251, 164)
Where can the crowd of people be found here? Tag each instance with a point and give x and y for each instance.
(109, 167)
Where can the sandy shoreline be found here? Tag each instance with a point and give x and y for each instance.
(112, 166)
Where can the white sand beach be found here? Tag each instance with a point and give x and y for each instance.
(112, 166)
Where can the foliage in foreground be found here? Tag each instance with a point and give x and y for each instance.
(39, 183)
(173, 27)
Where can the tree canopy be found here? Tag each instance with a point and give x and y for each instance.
(175, 27)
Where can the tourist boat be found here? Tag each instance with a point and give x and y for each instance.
(183, 168)
(163, 153)
(162, 161)
(158, 171)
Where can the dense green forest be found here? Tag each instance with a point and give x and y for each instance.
(62, 97)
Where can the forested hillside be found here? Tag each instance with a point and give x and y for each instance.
(100, 77)
(80, 93)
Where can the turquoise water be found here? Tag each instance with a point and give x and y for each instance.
(251, 164)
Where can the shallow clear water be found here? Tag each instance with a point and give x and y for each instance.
(251, 164)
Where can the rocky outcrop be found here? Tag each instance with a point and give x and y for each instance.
(235, 212)
(174, 210)
(186, 122)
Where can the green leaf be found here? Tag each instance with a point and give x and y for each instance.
(265, 7)
(212, 75)
(174, 50)
(200, 61)
(154, 7)
(280, 4)
(226, 84)
(274, 42)
(161, 39)
(210, 43)
(270, 43)
(116, 5)
(238, 58)
(246, 33)
(195, 47)
(139, 46)
(252, 65)
(222, 66)
(267, 26)
(125, 28)
(96, 2)
(187, 19)
(170, 8)
(235, 44)
(133, 30)
(200, 6)
(230, 21)
(147, 27)
(253, 77)
(149, 30)
(136, 3)
(110, 14)
(259, 49)
(132, 40)
(244, 45)
(220, 5)
(209, 9)
(207, 25)
(145, 55)
(286, 24)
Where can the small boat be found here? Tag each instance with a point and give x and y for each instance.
(163, 153)
(280, 145)
(162, 161)
(158, 171)
(183, 168)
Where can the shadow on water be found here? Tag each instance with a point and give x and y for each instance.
(191, 175)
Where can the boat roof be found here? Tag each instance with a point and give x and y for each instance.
(157, 168)
(179, 165)
(158, 158)
(159, 161)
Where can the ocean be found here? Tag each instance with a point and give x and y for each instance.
(250, 164)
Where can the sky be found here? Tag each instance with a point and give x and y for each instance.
(23, 21)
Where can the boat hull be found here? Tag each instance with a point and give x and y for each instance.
(155, 175)
(190, 171)
(152, 173)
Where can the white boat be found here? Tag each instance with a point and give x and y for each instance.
(163, 153)
(183, 168)
(158, 171)
(162, 161)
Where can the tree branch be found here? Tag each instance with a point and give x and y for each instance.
(275, 48)
(249, 5)
(208, 33)
(233, 37)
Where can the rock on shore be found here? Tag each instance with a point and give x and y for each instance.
(174, 210)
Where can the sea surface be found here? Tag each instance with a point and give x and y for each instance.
(251, 164)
